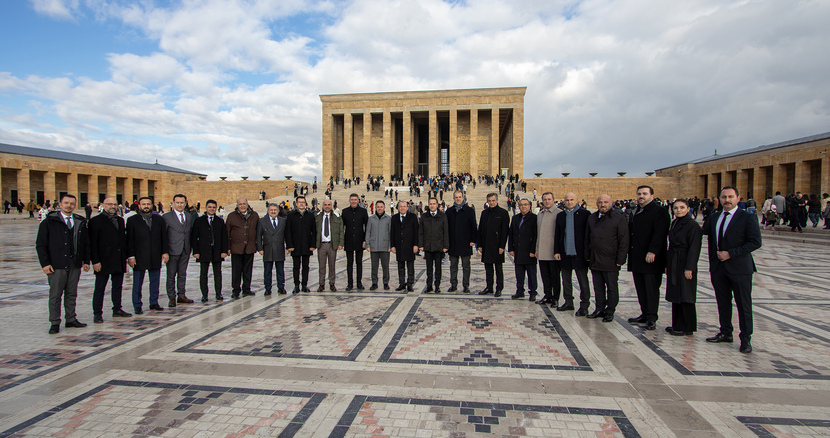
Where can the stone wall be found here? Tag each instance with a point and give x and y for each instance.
(617, 187)
(226, 193)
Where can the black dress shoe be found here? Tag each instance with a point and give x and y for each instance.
(385, 286)
(437, 290)
(400, 288)
(268, 292)
(532, 298)
(282, 291)
(720, 337)
(349, 288)
(306, 289)
(75, 324)
(248, 294)
(466, 290)
(219, 297)
(121, 314)
(321, 288)
(497, 294)
(651, 325)
(596, 314)
(609, 317)
(374, 287)
(638, 320)
(156, 307)
(565, 307)
(170, 304)
(428, 289)
(97, 319)
(581, 312)
(296, 290)
(409, 288)
(517, 295)
(360, 286)
(138, 311)
(204, 299)
(544, 301)
(56, 328)
(669, 329)
(452, 289)
(746, 347)
(486, 291)
(674, 332)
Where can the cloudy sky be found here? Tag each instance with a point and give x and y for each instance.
(231, 87)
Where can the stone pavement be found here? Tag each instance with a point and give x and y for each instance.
(382, 363)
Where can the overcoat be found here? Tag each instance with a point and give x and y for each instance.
(146, 244)
(108, 244)
(493, 230)
(522, 240)
(404, 236)
(300, 233)
(209, 240)
(60, 247)
(606, 241)
(580, 226)
(242, 232)
(685, 239)
(647, 230)
(335, 228)
(433, 232)
(354, 223)
(462, 226)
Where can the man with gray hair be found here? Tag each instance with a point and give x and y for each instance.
(330, 236)
(462, 226)
(270, 243)
(242, 226)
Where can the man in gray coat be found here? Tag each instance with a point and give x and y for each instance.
(178, 223)
(378, 232)
(270, 243)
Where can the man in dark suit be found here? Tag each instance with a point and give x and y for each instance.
(179, 225)
(493, 230)
(434, 240)
(62, 247)
(522, 247)
(108, 251)
(146, 251)
(300, 239)
(462, 224)
(355, 219)
(404, 239)
(270, 243)
(569, 249)
(648, 233)
(209, 241)
(733, 235)
(606, 247)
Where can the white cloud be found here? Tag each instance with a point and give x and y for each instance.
(57, 9)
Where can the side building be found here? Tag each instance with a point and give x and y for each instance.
(480, 131)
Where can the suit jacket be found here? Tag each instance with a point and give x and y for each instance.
(741, 237)
(354, 223)
(208, 240)
(648, 232)
(300, 233)
(270, 240)
(580, 227)
(462, 226)
(522, 240)
(108, 244)
(433, 232)
(146, 244)
(493, 230)
(178, 233)
(405, 236)
(338, 232)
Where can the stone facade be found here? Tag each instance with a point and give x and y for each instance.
(480, 131)
(225, 193)
(618, 188)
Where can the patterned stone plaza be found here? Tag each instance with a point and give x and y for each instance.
(389, 364)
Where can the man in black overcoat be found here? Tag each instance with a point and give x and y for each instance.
(493, 230)
(300, 238)
(354, 219)
(569, 249)
(733, 235)
(108, 252)
(146, 251)
(648, 230)
(522, 247)
(462, 224)
(606, 247)
(209, 241)
(404, 240)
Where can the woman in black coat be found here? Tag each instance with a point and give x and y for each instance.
(685, 237)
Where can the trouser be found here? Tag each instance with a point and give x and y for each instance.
(63, 282)
(138, 281)
(326, 255)
(740, 286)
(606, 290)
(351, 258)
(383, 258)
(268, 274)
(101, 286)
(551, 283)
(433, 259)
(403, 277)
(465, 268)
(242, 268)
(648, 293)
(300, 269)
(217, 277)
(584, 287)
(684, 317)
(488, 275)
(528, 270)
(176, 275)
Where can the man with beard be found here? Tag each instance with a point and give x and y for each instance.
(179, 226)
(493, 230)
(648, 232)
(146, 251)
(378, 234)
(300, 240)
(548, 265)
(404, 242)
(606, 247)
(354, 219)
(108, 252)
(210, 248)
(461, 220)
(242, 225)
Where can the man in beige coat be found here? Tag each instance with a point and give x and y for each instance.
(548, 267)
(330, 236)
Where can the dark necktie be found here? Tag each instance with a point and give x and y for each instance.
(326, 226)
(721, 243)
(71, 237)
(274, 221)
(521, 222)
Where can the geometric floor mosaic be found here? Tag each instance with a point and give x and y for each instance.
(483, 332)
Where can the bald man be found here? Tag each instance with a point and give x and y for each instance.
(606, 247)
(242, 226)
(108, 252)
(569, 249)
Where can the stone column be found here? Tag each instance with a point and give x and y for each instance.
(494, 142)
(388, 152)
(328, 148)
(474, 141)
(779, 178)
(802, 177)
(454, 141)
(434, 152)
(49, 192)
(518, 141)
(92, 189)
(348, 137)
(759, 185)
(144, 187)
(408, 151)
(128, 190)
(72, 185)
(23, 186)
(112, 188)
(742, 182)
(366, 151)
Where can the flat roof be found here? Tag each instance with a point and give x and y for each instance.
(469, 92)
(69, 156)
(762, 148)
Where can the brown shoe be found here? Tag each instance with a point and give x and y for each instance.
(333, 289)
(184, 300)
(321, 288)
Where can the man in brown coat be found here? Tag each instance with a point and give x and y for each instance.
(242, 225)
